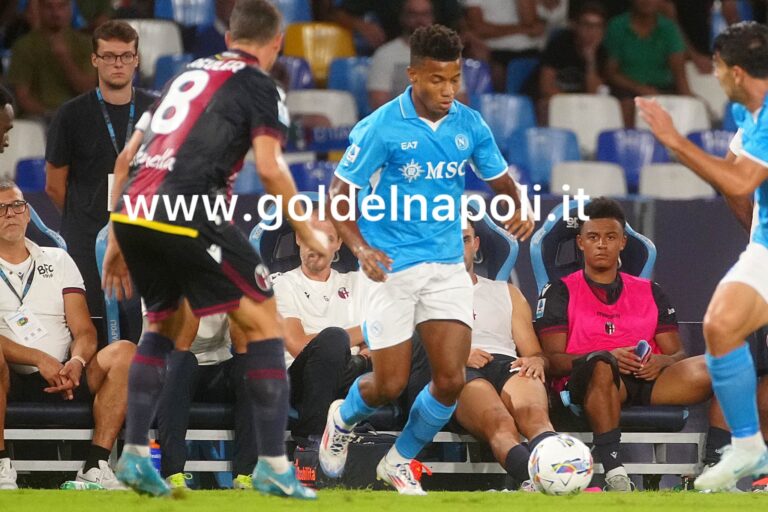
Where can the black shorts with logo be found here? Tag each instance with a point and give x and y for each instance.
(213, 270)
(496, 372)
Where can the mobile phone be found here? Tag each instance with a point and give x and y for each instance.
(643, 351)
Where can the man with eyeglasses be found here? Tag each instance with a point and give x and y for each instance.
(49, 342)
(84, 139)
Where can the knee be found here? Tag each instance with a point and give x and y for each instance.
(719, 325)
(602, 374)
(449, 385)
(332, 344)
(120, 354)
(697, 371)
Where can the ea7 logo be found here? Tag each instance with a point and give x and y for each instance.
(45, 270)
(409, 145)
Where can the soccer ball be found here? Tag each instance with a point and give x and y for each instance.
(560, 465)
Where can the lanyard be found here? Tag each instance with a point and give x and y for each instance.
(108, 121)
(26, 286)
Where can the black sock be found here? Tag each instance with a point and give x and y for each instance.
(533, 443)
(145, 382)
(267, 386)
(95, 454)
(716, 439)
(4, 454)
(607, 446)
(516, 464)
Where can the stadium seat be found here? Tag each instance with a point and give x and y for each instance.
(476, 75)
(247, 181)
(518, 73)
(498, 251)
(294, 11)
(632, 150)
(535, 151)
(708, 89)
(714, 142)
(30, 175)
(595, 178)
(111, 308)
(689, 114)
(189, 13)
(299, 74)
(27, 141)
(318, 43)
(729, 123)
(351, 74)
(586, 115)
(310, 175)
(554, 253)
(158, 37)
(506, 114)
(168, 66)
(49, 235)
(673, 181)
(338, 106)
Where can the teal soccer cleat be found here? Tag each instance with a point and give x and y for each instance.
(139, 474)
(267, 481)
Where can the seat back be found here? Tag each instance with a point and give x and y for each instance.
(294, 11)
(498, 250)
(338, 106)
(595, 178)
(632, 150)
(310, 175)
(248, 181)
(30, 175)
(554, 253)
(277, 247)
(111, 309)
(707, 88)
(518, 73)
(689, 114)
(189, 13)
(476, 75)
(44, 235)
(351, 74)
(168, 66)
(586, 115)
(27, 141)
(158, 37)
(673, 181)
(299, 74)
(506, 114)
(319, 43)
(714, 142)
(536, 150)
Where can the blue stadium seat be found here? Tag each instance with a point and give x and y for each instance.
(310, 175)
(498, 250)
(51, 235)
(351, 74)
(506, 114)
(536, 150)
(169, 66)
(30, 175)
(632, 150)
(247, 181)
(518, 73)
(476, 75)
(111, 308)
(299, 72)
(729, 123)
(714, 142)
(554, 253)
(294, 11)
(189, 13)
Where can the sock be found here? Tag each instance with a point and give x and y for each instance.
(426, 419)
(533, 443)
(716, 439)
(753, 443)
(394, 457)
(4, 454)
(516, 464)
(95, 454)
(267, 387)
(279, 464)
(607, 447)
(735, 384)
(142, 450)
(145, 382)
(354, 409)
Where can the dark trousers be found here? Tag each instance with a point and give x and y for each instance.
(185, 382)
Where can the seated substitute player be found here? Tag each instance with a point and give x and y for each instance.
(504, 396)
(49, 341)
(188, 148)
(590, 322)
(739, 305)
(321, 310)
(418, 145)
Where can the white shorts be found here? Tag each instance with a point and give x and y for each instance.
(751, 269)
(427, 291)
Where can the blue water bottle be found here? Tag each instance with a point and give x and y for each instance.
(155, 454)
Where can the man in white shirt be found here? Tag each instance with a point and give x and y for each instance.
(505, 395)
(49, 341)
(321, 309)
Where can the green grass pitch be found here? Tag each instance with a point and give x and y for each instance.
(379, 501)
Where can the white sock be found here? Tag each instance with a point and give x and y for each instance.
(753, 443)
(340, 422)
(137, 449)
(280, 464)
(394, 458)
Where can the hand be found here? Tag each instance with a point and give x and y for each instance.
(531, 367)
(517, 227)
(371, 261)
(478, 358)
(49, 369)
(59, 45)
(658, 120)
(653, 367)
(372, 33)
(365, 352)
(72, 370)
(629, 363)
(117, 280)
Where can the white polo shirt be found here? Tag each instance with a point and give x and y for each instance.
(318, 304)
(55, 275)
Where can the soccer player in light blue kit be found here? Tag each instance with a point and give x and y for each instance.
(739, 305)
(419, 144)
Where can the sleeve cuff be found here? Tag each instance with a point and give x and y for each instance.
(73, 289)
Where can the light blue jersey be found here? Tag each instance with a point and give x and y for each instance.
(393, 147)
(754, 133)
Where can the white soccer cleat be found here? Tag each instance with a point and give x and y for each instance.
(334, 445)
(734, 465)
(7, 475)
(401, 477)
(103, 476)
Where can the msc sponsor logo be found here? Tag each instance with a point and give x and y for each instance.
(413, 170)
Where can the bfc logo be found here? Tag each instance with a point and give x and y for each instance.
(413, 170)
